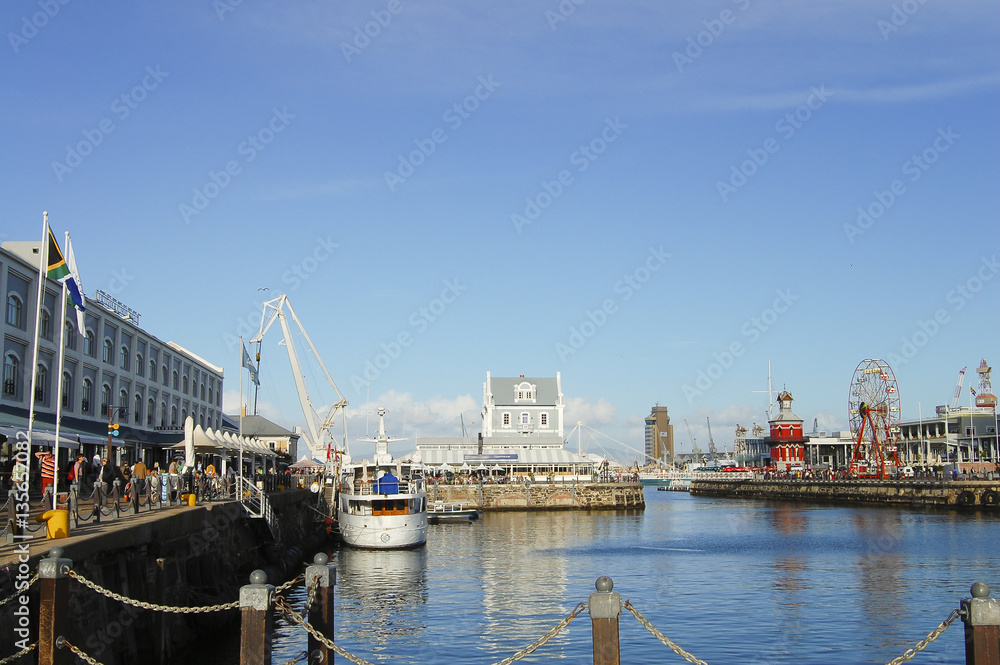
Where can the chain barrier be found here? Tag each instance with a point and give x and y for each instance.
(310, 596)
(933, 635)
(298, 659)
(546, 637)
(20, 591)
(283, 605)
(150, 606)
(26, 650)
(301, 577)
(660, 636)
(63, 642)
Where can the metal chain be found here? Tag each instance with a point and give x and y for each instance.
(282, 605)
(660, 636)
(933, 635)
(311, 596)
(18, 593)
(26, 650)
(290, 583)
(544, 638)
(298, 659)
(150, 606)
(63, 642)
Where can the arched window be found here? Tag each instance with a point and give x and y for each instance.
(163, 414)
(184, 416)
(152, 370)
(176, 379)
(524, 418)
(45, 325)
(123, 399)
(10, 375)
(185, 382)
(203, 391)
(139, 367)
(67, 390)
(70, 333)
(108, 351)
(173, 416)
(88, 344)
(163, 373)
(14, 311)
(137, 408)
(150, 412)
(87, 398)
(41, 377)
(124, 364)
(105, 399)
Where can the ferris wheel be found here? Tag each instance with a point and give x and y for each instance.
(874, 411)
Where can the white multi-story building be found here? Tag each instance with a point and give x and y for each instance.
(115, 371)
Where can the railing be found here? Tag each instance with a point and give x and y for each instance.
(258, 600)
(255, 503)
(368, 488)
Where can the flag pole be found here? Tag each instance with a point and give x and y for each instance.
(62, 359)
(42, 266)
(239, 471)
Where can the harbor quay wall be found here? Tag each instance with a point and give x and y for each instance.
(184, 557)
(542, 496)
(967, 495)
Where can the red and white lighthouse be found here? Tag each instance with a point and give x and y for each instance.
(786, 441)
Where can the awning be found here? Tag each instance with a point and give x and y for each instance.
(41, 438)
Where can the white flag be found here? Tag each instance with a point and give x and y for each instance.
(75, 288)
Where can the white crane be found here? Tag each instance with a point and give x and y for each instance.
(711, 441)
(694, 444)
(320, 439)
(958, 388)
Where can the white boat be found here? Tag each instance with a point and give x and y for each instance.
(451, 511)
(382, 504)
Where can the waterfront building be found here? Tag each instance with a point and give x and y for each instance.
(275, 437)
(966, 437)
(114, 373)
(752, 450)
(786, 440)
(659, 436)
(522, 434)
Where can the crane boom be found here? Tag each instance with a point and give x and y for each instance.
(694, 444)
(711, 441)
(319, 427)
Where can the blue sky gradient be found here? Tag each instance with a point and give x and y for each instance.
(532, 163)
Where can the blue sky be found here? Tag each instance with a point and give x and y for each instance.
(625, 192)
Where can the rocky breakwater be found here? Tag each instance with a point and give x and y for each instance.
(542, 496)
(968, 495)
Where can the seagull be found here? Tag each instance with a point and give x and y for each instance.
(263, 288)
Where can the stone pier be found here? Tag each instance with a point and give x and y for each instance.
(542, 496)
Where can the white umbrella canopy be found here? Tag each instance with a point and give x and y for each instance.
(466, 467)
(448, 468)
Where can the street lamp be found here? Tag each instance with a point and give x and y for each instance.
(113, 427)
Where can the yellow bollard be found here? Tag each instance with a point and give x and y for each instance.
(56, 523)
(189, 498)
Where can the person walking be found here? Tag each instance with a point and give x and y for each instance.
(139, 473)
(106, 475)
(48, 467)
(18, 474)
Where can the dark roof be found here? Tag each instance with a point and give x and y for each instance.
(260, 426)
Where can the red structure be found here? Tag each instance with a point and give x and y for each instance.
(788, 445)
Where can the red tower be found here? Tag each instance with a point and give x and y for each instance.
(786, 441)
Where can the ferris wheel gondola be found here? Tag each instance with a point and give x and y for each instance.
(874, 410)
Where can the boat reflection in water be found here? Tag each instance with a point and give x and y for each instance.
(379, 595)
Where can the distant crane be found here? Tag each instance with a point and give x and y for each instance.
(694, 444)
(958, 388)
(711, 441)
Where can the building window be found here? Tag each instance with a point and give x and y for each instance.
(138, 364)
(105, 399)
(88, 344)
(163, 414)
(87, 397)
(524, 392)
(41, 376)
(124, 358)
(45, 325)
(163, 372)
(67, 389)
(173, 416)
(70, 336)
(177, 384)
(137, 406)
(10, 375)
(108, 351)
(185, 382)
(506, 419)
(123, 399)
(524, 418)
(543, 420)
(203, 391)
(152, 370)
(150, 412)
(13, 311)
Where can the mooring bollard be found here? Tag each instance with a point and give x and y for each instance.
(256, 605)
(321, 578)
(52, 619)
(981, 615)
(605, 608)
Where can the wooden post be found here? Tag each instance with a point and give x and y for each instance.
(605, 608)
(981, 615)
(321, 611)
(256, 605)
(52, 620)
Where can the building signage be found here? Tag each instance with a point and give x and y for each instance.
(510, 457)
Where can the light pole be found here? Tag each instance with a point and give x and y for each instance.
(113, 427)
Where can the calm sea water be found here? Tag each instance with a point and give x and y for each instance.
(730, 581)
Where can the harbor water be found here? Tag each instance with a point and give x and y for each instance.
(730, 581)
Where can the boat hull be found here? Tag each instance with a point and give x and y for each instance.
(383, 532)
